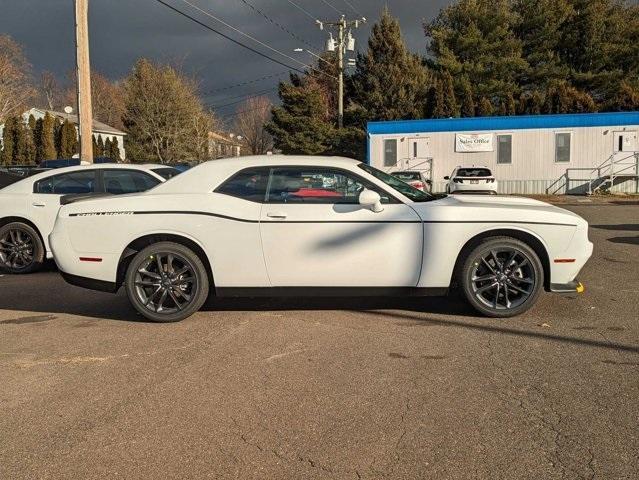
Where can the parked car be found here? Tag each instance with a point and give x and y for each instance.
(471, 180)
(414, 178)
(269, 225)
(29, 206)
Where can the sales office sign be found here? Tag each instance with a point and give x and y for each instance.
(478, 142)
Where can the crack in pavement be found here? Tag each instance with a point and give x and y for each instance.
(559, 438)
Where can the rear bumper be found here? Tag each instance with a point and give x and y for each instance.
(570, 287)
(89, 283)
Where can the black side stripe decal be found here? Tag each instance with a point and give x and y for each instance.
(244, 220)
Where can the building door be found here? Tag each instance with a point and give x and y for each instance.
(625, 148)
(418, 157)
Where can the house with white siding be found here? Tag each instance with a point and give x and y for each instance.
(100, 130)
(566, 153)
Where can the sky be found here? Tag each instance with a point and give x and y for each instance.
(121, 31)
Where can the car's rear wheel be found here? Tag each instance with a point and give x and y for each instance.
(167, 282)
(21, 249)
(502, 277)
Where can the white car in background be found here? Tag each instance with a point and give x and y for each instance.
(270, 225)
(471, 180)
(28, 207)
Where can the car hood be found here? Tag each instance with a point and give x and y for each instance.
(496, 208)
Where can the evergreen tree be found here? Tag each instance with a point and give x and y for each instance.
(626, 98)
(476, 38)
(107, 148)
(100, 150)
(539, 27)
(466, 98)
(114, 151)
(47, 139)
(390, 82)
(301, 125)
(8, 140)
(94, 146)
(484, 107)
(37, 140)
(68, 140)
(451, 108)
(563, 98)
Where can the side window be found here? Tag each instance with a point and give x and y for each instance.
(504, 149)
(248, 184)
(118, 182)
(562, 147)
(318, 185)
(390, 152)
(67, 183)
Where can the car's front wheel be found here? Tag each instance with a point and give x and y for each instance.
(502, 277)
(167, 282)
(21, 249)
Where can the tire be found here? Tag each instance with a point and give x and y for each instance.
(21, 249)
(172, 293)
(502, 277)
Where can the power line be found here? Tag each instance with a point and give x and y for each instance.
(333, 7)
(239, 112)
(246, 97)
(310, 15)
(350, 5)
(276, 23)
(242, 84)
(208, 14)
(208, 27)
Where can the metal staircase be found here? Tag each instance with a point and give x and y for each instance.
(617, 166)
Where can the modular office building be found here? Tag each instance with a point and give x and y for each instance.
(571, 153)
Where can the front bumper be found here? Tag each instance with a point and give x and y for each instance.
(570, 287)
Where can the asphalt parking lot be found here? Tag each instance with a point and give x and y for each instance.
(329, 388)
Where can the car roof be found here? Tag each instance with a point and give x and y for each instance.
(25, 185)
(203, 177)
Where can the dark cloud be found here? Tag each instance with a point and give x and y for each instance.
(124, 30)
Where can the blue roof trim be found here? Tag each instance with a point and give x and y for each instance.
(505, 123)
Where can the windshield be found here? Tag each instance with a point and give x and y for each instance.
(473, 172)
(396, 184)
(166, 172)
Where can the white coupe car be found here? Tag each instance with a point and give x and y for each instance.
(292, 225)
(28, 208)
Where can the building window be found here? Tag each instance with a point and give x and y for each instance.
(562, 147)
(504, 149)
(390, 152)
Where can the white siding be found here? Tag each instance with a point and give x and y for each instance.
(533, 166)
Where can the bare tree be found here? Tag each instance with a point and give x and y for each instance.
(15, 78)
(107, 97)
(49, 90)
(253, 115)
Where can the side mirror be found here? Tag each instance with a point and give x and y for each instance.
(446, 177)
(371, 199)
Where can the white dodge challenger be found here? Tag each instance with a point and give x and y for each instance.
(294, 225)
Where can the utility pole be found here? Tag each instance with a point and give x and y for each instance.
(85, 114)
(345, 41)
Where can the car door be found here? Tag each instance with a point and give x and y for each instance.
(45, 201)
(315, 233)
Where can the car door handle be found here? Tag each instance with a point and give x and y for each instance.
(276, 215)
(39, 204)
